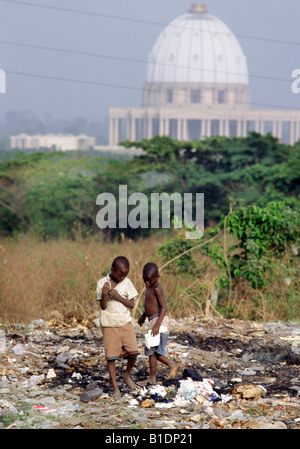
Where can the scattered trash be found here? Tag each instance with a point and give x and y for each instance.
(62, 359)
(19, 349)
(189, 390)
(51, 374)
(67, 374)
(90, 395)
(248, 391)
(191, 373)
(41, 408)
(196, 418)
(147, 403)
(134, 403)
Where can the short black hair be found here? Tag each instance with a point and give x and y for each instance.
(150, 270)
(120, 261)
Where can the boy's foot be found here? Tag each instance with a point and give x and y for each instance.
(173, 371)
(149, 381)
(116, 393)
(127, 379)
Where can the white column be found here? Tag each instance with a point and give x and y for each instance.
(208, 128)
(244, 128)
(279, 130)
(274, 128)
(111, 133)
(167, 128)
(296, 131)
(179, 129)
(226, 128)
(149, 127)
(161, 127)
(128, 124)
(184, 130)
(239, 128)
(221, 127)
(117, 131)
(292, 133)
(132, 129)
(261, 128)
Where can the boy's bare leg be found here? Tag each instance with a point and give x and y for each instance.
(153, 368)
(152, 375)
(172, 365)
(111, 366)
(126, 376)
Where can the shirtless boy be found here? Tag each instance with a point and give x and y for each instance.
(155, 311)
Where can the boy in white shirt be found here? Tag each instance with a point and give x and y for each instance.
(116, 295)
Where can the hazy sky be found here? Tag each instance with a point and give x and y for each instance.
(124, 31)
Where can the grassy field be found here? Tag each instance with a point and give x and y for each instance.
(38, 277)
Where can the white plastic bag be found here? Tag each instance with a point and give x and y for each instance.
(153, 340)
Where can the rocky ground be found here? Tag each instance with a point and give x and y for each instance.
(250, 377)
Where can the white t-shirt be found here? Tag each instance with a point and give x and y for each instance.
(116, 314)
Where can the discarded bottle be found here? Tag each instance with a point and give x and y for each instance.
(91, 394)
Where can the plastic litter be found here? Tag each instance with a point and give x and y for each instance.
(51, 373)
(62, 360)
(65, 410)
(91, 394)
(19, 349)
(157, 392)
(153, 340)
(189, 390)
(133, 403)
(41, 408)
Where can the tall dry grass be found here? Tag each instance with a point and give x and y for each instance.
(38, 277)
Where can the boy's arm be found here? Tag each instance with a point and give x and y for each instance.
(113, 294)
(104, 296)
(142, 318)
(163, 309)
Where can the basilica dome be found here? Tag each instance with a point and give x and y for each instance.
(197, 48)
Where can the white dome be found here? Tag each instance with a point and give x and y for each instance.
(197, 48)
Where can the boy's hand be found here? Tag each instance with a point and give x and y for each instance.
(106, 288)
(113, 294)
(141, 320)
(155, 331)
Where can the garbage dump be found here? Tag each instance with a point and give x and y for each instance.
(232, 375)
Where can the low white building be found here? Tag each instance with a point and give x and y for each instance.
(62, 142)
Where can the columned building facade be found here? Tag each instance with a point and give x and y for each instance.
(197, 86)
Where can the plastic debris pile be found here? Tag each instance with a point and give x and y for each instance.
(54, 375)
(189, 391)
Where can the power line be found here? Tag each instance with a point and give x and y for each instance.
(115, 86)
(139, 61)
(130, 19)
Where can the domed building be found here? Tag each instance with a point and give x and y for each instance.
(197, 86)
